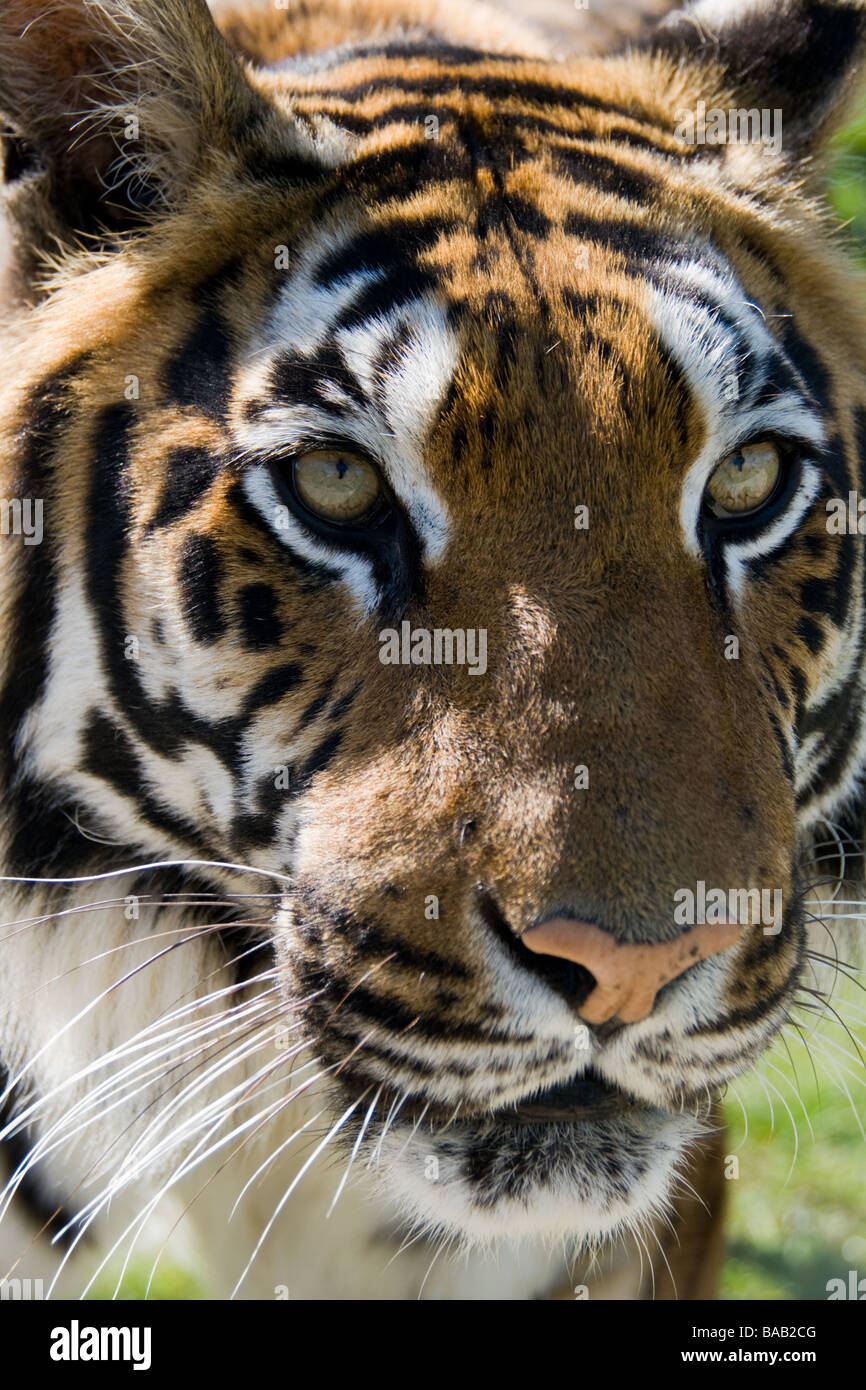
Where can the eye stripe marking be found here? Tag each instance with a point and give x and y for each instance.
(709, 348)
(387, 414)
(768, 542)
(200, 581)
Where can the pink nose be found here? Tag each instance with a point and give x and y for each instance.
(628, 975)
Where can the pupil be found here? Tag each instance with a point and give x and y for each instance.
(342, 468)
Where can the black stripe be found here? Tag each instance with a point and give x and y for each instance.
(199, 578)
(386, 249)
(259, 616)
(430, 46)
(651, 253)
(40, 836)
(496, 89)
(297, 377)
(752, 1013)
(371, 939)
(189, 473)
(506, 126)
(784, 750)
(607, 175)
(108, 754)
(362, 1007)
(167, 726)
(197, 375)
(271, 689)
(839, 720)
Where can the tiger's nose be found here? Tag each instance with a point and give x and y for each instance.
(628, 975)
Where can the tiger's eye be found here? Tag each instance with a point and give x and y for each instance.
(745, 480)
(335, 485)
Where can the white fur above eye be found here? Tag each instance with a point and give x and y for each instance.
(721, 343)
(389, 413)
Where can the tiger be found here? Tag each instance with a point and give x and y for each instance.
(422, 425)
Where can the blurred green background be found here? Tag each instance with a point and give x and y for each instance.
(798, 1209)
(848, 182)
(797, 1213)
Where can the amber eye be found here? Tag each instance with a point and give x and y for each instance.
(745, 480)
(337, 486)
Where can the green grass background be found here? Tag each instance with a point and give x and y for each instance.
(797, 1211)
(848, 182)
(796, 1220)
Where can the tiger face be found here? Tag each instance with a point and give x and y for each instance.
(436, 449)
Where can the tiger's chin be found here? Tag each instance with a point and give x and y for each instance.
(582, 1180)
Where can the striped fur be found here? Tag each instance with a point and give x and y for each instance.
(508, 281)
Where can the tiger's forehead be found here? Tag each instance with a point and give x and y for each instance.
(385, 96)
(396, 338)
(389, 324)
(539, 283)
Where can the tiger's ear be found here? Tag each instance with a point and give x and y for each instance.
(802, 58)
(106, 107)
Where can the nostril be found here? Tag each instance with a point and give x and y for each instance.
(567, 977)
(574, 982)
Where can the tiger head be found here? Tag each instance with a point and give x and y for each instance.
(437, 452)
